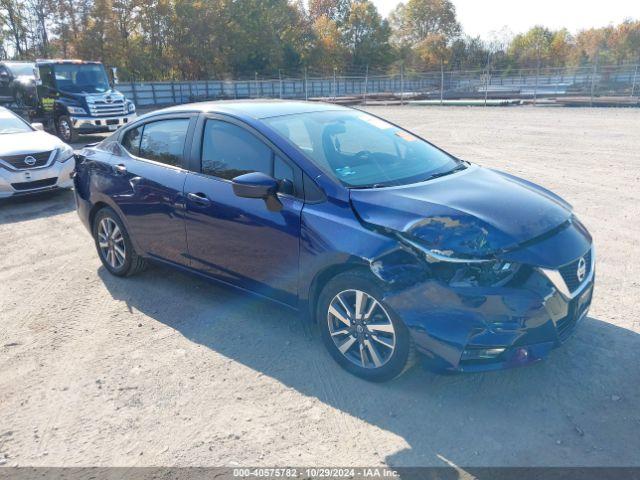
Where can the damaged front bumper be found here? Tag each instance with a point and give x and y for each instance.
(473, 329)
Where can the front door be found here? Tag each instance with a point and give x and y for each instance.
(238, 240)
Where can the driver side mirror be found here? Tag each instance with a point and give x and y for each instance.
(38, 126)
(4, 75)
(114, 76)
(258, 185)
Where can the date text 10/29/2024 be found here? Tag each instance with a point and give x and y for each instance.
(373, 472)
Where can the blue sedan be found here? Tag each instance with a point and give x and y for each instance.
(392, 246)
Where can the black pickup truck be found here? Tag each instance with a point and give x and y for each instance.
(17, 83)
(74, 97)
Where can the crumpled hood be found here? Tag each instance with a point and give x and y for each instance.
(475, 212)
(28, 142)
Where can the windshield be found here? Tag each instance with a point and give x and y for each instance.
(81, 78)
(361, 150)
(19, 69)
(9, 123)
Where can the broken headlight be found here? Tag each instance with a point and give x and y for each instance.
(466, 272)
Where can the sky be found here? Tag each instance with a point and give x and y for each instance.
(481, 17)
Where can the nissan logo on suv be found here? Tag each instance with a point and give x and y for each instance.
(30, 161)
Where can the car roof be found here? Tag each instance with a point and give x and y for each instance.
(257, 109)
(66, 61)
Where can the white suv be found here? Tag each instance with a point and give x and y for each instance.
(31, 160)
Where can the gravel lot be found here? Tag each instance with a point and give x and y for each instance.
(166, 369)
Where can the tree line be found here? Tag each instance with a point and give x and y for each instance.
(218, 39)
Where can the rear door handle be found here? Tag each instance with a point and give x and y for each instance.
(199, 199)
(120, 169)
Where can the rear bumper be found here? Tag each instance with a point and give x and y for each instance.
(25, 182)
(101, 124)
(483, 329)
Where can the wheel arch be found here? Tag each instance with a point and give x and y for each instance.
(326, 274)
(102, 202)
(95, 209)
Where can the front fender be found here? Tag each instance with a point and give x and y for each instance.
(333, 240)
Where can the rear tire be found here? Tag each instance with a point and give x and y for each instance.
(65, 130)
(114, 245)
(360, 331)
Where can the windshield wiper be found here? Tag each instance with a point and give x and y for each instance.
(364, 187)
(462, 166)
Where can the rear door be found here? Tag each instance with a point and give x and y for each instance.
(148, 167)
(238, 240)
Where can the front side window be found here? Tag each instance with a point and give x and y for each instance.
(46, 76)
(361, 150)
(282, 170)
(163, 141)
(229, 150)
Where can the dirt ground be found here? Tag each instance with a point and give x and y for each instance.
(164, 369)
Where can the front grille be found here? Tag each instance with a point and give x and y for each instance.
(18, 161)
(577, 309)
(104, 109)
(47, 182)
(570, 272)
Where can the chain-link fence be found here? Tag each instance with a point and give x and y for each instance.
(590, 85)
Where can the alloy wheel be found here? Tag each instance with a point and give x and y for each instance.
(361, 329)
(111, 243)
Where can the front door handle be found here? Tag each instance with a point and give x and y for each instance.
(120, 169)
(199, 199)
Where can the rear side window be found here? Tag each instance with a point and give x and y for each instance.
(131, 140)
(229, 151)
(163, 141)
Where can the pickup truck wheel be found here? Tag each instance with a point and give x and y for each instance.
(65, 130)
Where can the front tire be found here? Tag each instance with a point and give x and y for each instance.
(66, 132)
(360, 331)
(114, 245)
